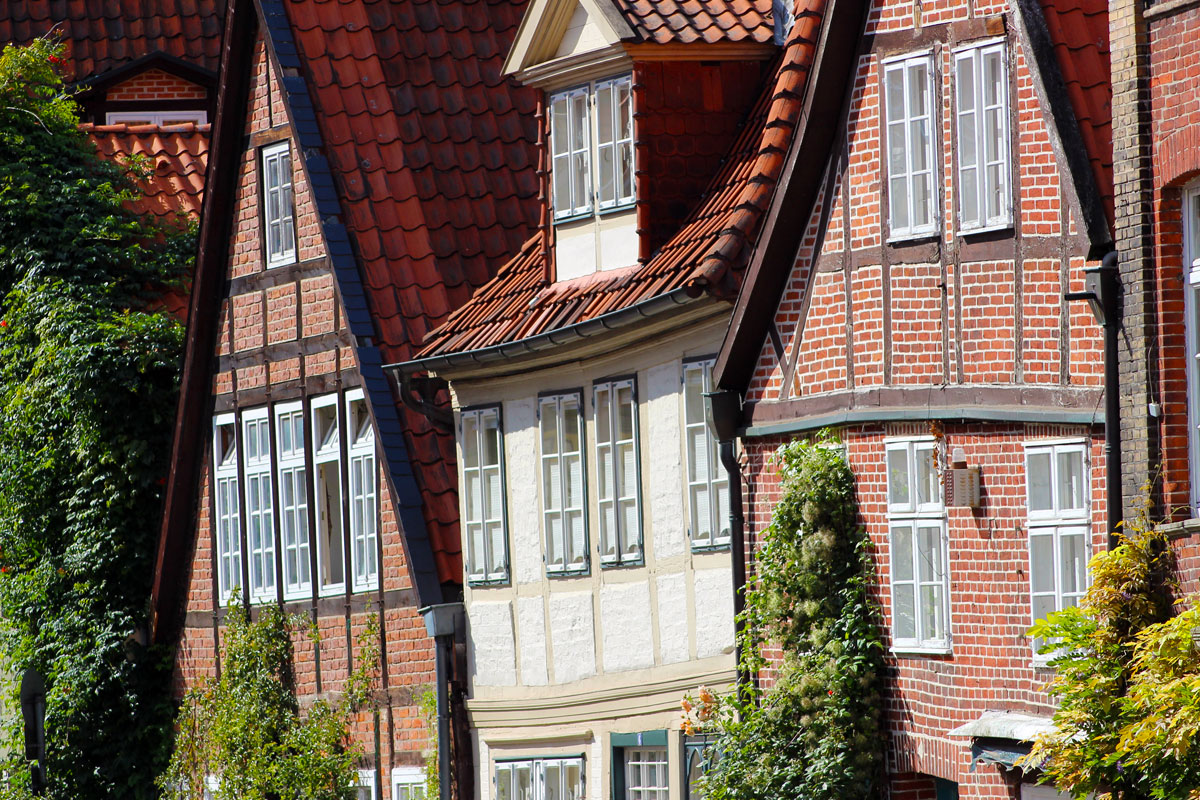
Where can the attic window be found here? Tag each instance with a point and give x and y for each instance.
(591, 142)
(159, 118)
(278, 216)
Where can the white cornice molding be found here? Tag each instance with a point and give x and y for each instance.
(572, 69)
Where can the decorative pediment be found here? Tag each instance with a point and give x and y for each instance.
(568, 30)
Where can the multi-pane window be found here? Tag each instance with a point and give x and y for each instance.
(540, 779)
(617, 470)
(981, 93)
(364, 788)
(1191, 268)
(483, 495)
(408, 783)
(364, 533)
(587, 176)
(160, 118)
(227, 523)
(646, 773)
(917, 537)
(1056, 480)
(279, 225)
(327, 465)
(260, 503)
(293, 500)
(708, 484)
(563, 488)
(912, 195)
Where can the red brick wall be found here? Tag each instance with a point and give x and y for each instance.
(269, 310)
(154, 84)
(991, 666)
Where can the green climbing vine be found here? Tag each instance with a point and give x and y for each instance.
(244, 735)
(817, 732)
(88, 382)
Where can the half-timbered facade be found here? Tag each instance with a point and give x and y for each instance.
(909, 294)
(601, 563)
(354, 201)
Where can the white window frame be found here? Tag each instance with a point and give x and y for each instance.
(362, 492)
(278, 157)
(992, 171)
(636, 761)
(537, 776)
(587, 156)
(916, 516)
(485, 535)
(408, 783)
(707, 489)
(292, 482)
(903, 123)
(618, 544)
(256, 469)
(160, 118)
(575, 554)
(227, 505)
(330, 454)
(365, 780)
(1190, 212)
(1056, 524)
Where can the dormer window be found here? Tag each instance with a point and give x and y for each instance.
(591, 141)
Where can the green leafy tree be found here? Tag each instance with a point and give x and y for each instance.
(246, 731)
(88, 382)
(818, 732)
(1109, 653)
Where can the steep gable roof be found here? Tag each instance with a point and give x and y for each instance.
(1068, 40)
(707, 254)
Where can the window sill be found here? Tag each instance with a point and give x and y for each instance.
(283, 262)
(629, 206)
(710, 548)
(576, 217)
(918, 650)
(1181, 529)
(914, 238)
(998, 227)
(487, 583)
(629, 562)
(568, 573)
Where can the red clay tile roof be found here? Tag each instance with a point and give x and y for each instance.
(664, 21)
(179, 154)
(104, 34)
(433, 156)
(1079, 30)
(708, 253)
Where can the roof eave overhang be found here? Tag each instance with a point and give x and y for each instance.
(576, 68)
(566, 343)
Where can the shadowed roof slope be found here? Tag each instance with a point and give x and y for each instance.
(707, 254)
(431, 152)
(104, 34)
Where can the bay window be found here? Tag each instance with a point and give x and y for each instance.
(920, 584)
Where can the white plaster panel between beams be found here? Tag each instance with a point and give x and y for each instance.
(628, 642)
(582, 35)
(618, 241)
(575, 249)
(664, 461)
(596, 772)
(531, 629)
(673, 639)
(492, 650)
(572, 636)
(521, 465)
(714, 611)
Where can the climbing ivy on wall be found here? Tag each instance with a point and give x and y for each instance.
(88, 381)
(817, 733)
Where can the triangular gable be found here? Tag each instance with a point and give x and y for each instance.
(555, 28)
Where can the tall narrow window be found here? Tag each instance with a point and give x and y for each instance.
(1191, 268)
(917, 522)
(981, 90)
(364, 524)
(591, 147)
(912, 193)
(570, 144)
(483, 495)
(618, 471)
(227, 524)
(1056, 480)
(279, 225)
(563, 489)
(708, 484)
(327, 463)
(293, 500)
(260, 521)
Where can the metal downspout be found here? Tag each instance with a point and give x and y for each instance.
(725, 412)
(1110, 299)
(441, 622)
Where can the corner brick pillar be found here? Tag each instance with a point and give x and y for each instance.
(1132, 179)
